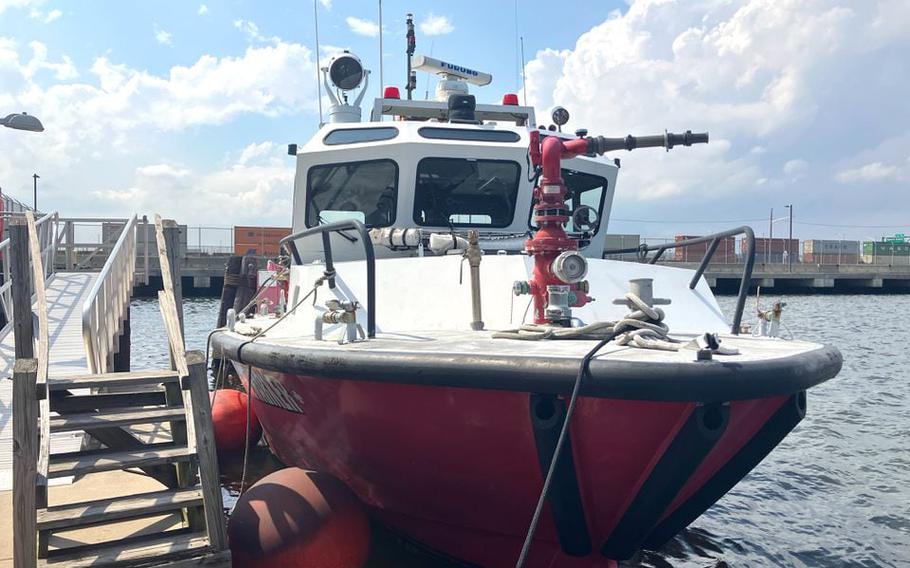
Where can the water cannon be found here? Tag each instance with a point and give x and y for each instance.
(557, 283)
(346, 73)
(599, 144)
(454, 78)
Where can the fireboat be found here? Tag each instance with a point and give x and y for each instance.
(433, 342)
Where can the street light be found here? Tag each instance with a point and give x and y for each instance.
(35, 178)
(22, 121)
(790, 240)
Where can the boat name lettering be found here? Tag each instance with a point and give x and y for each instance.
(270, 391)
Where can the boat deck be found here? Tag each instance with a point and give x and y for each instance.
(762, 366)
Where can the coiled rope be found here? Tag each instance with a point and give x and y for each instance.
(643, 327)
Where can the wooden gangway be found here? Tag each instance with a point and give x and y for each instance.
(58, 389)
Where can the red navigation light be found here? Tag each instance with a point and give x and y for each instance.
(391, 93)
(510, 99)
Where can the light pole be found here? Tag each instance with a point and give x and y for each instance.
(790, 240)
(35, 178)
(770, 236)
(22, 121)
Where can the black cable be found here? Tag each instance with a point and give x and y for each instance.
(560, 442)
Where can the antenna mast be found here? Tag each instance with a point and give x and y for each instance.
(524, 86)
(318, 83)
(412, 44)
(381, 79)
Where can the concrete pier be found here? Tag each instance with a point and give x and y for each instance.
(808, 278)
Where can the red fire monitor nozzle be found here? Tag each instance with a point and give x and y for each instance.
(557, 282)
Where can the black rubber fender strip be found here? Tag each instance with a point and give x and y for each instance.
(685, 381)
(704, 427)
(750, 455)
(564, 497)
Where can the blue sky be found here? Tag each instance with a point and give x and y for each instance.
(186, 108)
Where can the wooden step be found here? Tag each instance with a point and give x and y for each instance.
(103, 511)
(107, 460)
(116, 418)
(133, 378)
(88, 402)
(158, 549)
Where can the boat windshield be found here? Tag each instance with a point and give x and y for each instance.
(465, 192)
(583, 189)
(366, 191)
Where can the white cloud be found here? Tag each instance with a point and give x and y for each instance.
(7, 4)
(366, 28)
(203, 10)
(434, 25)
(52, 15)
(795, 167)
(251, 30)
(236, 194)
(161, 36)
(775, 79)
(255, 153)
(874, 171)
(106, 129)
(327, 4)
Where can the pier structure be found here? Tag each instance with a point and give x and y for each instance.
(66, 343)
(84, 244)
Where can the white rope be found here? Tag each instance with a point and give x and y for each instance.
(648, 331)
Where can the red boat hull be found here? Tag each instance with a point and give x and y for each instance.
(460, 469)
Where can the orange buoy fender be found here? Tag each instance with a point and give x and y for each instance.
(229, 410)
(299, 518)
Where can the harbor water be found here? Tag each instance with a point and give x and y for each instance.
(836, 492)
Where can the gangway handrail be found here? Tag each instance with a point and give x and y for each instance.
(105, 307)
(289, 243)
(46, 227)
(714, 241)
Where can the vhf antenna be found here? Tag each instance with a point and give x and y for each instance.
(412, 43)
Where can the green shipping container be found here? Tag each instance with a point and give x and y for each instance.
(876, 248)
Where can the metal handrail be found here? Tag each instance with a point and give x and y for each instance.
(47, 240)
(325, 230)
(105, 308)
(714, 240)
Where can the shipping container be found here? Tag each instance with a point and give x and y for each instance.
(830, 258)
(771, 251)
(617, 242)
(885, 248)
(262, 241)
(832, 246)
(725, 253)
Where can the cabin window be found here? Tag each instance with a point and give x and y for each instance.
(358, 135)
(366, 191)
(465, 192)
(583, 189)
(469, 134)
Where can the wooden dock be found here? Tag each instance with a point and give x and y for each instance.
(66, 291)
(67, 361)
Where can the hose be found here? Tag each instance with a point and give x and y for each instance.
(560, 443)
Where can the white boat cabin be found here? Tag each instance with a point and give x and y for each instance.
(421, 170)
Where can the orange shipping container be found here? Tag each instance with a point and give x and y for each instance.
(262, 241)
(725, 253)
